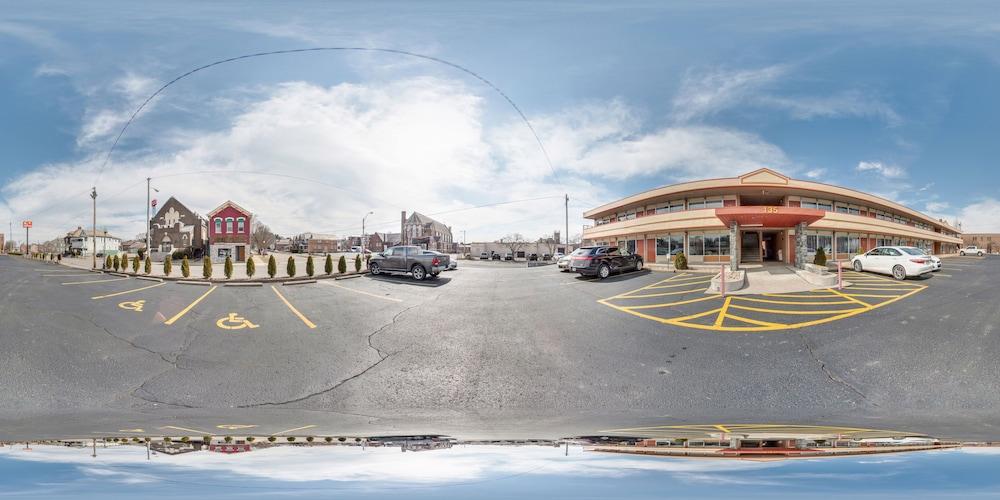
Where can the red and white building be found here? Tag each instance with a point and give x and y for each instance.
(229, 228)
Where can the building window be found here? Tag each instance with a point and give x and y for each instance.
(696, 244)
(824, 205)
(669, 245)
(713, 202)
(708, 244)
(218, 225)
(240, 225)
(816, 241)
(849, 244)
(229, 225)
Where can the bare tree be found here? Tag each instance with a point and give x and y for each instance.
(549, 243)
(262, 236)
(513, 242)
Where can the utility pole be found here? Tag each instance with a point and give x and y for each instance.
(147, 215)
(94, 442)
(147, 450)
(567, 224)
(364, 244)
(27, 245)
(93, 253)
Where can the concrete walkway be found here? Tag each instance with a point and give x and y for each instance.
(775, 279)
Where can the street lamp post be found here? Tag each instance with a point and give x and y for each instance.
(364, 244)
(148, 224)
(93, 253)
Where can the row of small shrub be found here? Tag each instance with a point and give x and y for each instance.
(122, 263)
(40, 255)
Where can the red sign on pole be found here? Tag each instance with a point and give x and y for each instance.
(154, 202)
(26, 224)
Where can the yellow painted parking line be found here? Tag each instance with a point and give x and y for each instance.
(295, 311)
(204, 433)
(722, 311)
(338, 285)
(127, 291)
(677, 280)
(721, 428)
(851, 298)
(662, 294)
(793, 302)
(792, 311)
(190, 306)
(93, 281)
(295, 429)
(814, 294)
(871, 295)
(678, 284)
(880, 288)
(678, 303)
(754, 321)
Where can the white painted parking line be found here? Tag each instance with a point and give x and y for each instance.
(349, 289)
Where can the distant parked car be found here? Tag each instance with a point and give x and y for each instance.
(496, 256)
(533, 256)
(558, 255)
(546, 256)
(508, 256)
(563, 262)
(355, 249)
(900, 262)
(601, 261)
(971, 250)
(484, 256)
(411, 260)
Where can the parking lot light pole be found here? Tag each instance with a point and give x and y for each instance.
(93, 253)
(364, 244)
(148, 224)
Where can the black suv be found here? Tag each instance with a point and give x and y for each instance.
(602, 261)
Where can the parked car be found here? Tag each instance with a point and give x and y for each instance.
(484, 256)
(452, 263)
(411, 260)
(900, 262)
(533, 256)
(355, 249)
(496, 256)
(546, 256)
(971, 250)
(558, 255)
(508, 256)
(601, 261)
(563, 262)
(935, 261)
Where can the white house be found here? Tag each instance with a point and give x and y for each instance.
(81, 242)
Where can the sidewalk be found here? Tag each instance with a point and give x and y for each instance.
(239, 268)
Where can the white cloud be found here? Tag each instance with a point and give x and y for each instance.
(417, 144)
(103, 122)
(980, 217)
(385, 465)
(707, 93)
(815, 173)
(937, 206)
(887, 171)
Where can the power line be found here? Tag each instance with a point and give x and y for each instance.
(459, 67)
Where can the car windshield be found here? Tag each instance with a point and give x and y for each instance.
(548, 249)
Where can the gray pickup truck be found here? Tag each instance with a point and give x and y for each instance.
(409, 259)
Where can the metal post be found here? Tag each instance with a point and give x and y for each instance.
(94, 441)
(567, 225)
(147, 215)
(364, 245)
(147, 450)
(722, 281)
(93, 253)
(840, 275)
(27, 245)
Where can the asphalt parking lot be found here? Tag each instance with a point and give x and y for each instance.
(494, 346)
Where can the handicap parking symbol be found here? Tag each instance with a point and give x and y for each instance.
(234, 322)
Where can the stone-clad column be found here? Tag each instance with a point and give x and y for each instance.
(734, 246)
(800, 245)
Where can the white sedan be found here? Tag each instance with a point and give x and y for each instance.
(563, 262)
(900, 262)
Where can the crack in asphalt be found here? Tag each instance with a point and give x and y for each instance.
(382, 357)
(830, 375)
(129, 342)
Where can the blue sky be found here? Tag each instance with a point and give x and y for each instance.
(486, 472)
(894, 98)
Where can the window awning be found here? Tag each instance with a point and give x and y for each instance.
(768, 216)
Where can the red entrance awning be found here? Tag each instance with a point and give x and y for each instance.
(768, 216)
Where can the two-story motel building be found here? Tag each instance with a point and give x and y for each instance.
(758, 217)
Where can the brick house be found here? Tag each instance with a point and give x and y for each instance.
(427, 233)
(229, 228)
(314, 243)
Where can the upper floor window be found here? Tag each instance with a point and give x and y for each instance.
(218, 225)
(240, 224)
(229, 225)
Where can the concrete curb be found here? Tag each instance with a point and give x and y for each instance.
(349, 276)
(183, 282)
(120, 275)
(245, 283)
(298, 282)
(731, 284)
(149, 278)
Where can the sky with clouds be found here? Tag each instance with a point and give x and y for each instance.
(897, 99)
(485, 472)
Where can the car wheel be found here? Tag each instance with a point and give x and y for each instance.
(419, 273)
(899, 272)
(980, 254)
(434, 275)
(962, 254)
(857, 266)
(374, 268)
(638, 265)
(604, 271)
